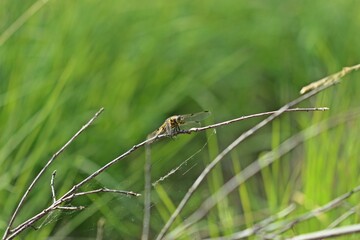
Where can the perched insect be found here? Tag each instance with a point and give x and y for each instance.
(172, 125)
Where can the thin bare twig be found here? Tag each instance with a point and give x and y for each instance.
(72, 192)
(71, 208)
(128, 193)
(240, 139)
(28, 190)
(172, 171)
(286, 225)
(147, 194)
(52, 185)
(257, 227)
(343, 217)
(329, 233)
(254, 116)
(57, 204)
(100, 229)
(212, 126)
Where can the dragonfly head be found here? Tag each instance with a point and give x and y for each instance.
(180, 119)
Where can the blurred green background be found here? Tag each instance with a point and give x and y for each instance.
(145, 61)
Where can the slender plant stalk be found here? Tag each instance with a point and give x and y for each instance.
(21, 20)
(147, 194)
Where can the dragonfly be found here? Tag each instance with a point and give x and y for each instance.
(172, 124)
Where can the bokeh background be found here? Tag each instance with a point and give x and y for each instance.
(145, 61)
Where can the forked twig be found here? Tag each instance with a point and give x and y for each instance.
(28, 190)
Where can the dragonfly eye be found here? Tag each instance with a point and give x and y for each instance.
(180, 120)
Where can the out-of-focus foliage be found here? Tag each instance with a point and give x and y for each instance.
(144, 61)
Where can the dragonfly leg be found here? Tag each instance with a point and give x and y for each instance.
(177, 129)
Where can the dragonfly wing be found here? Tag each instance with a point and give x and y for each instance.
(195, 117)
(190, 124)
